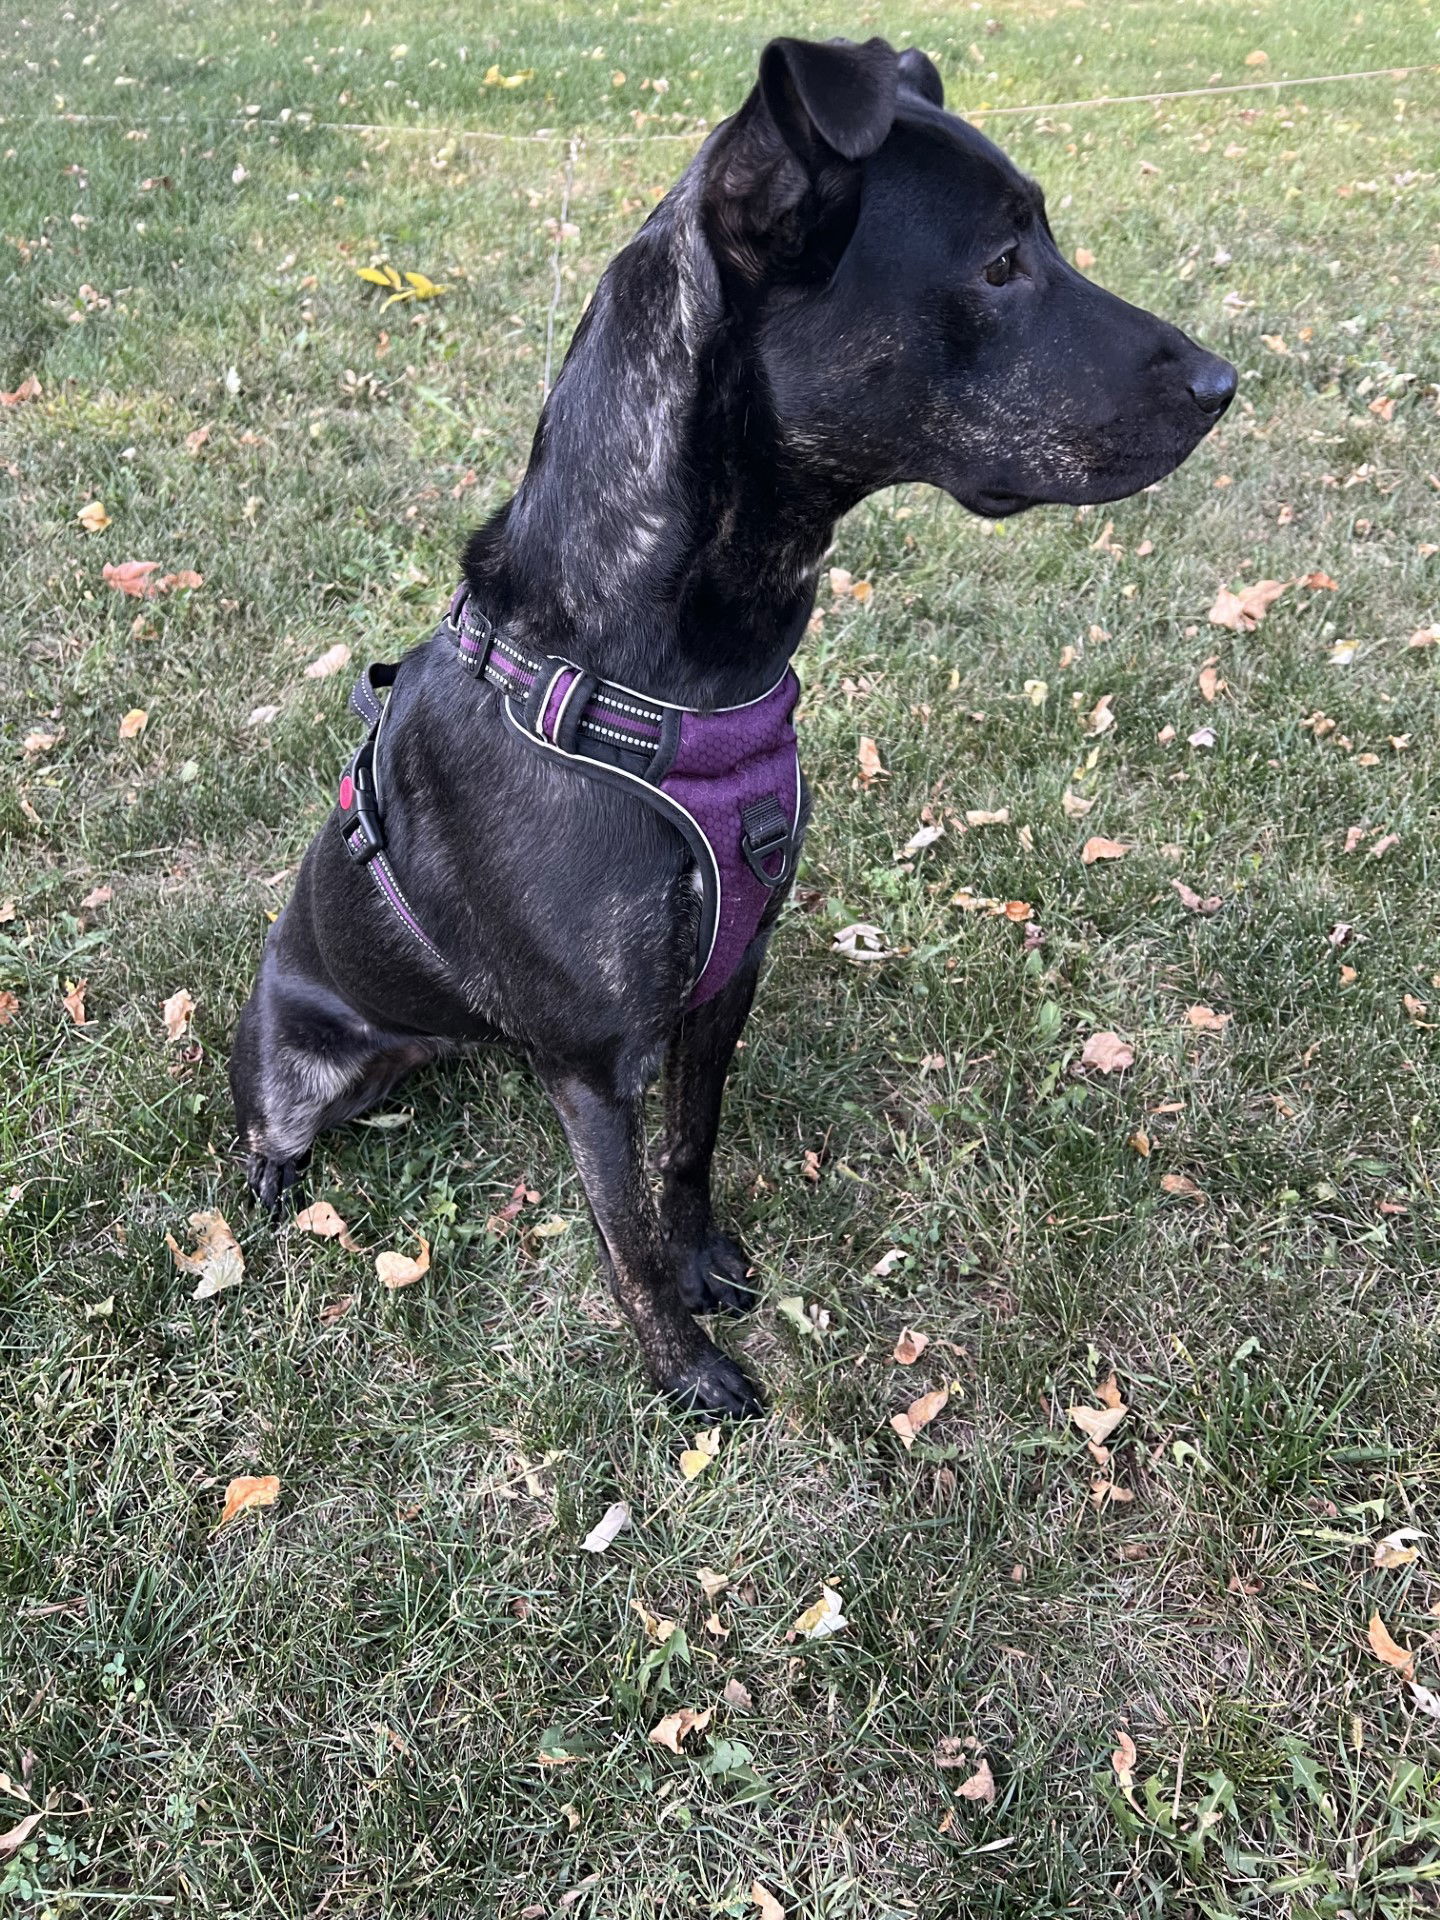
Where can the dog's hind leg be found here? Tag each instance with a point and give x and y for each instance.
(305, 1060)
(713, 1271)
(606, 1131)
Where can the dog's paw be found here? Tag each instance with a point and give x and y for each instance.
(715, 1384)
(715, 1276)
(275, 1183)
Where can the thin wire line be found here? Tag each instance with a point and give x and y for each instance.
(555, 259)
(544, 134)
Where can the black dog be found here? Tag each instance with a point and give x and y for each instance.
(848, 288)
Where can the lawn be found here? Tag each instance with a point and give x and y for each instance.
(403, 1688)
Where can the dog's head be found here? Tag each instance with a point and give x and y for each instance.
(914, 316)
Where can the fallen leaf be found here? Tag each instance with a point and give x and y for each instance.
(861, 942)
(1383, 408)
(979, 817)
(36, 743)
(331, 661)
(261, 716)
(1165, 735)
(910, 1346)
(922, 837)
(613, 1521)
(1037, 692)
(12, 1841)
(868, 756)
(861, 591)
(1210, 684)
(196, 440)
(399, 1269)
(93, 517)
(1124, 1759)
(1206, 1020)
(1257, 58)
(1182, 1184)
(1084, 259)
(770, 1907)
(1424, 1697)
(824, 1618)
(1399, 1549)
(1385, 1648)
(1242, 612)
(321, 1219)
(918, 1414)
(216, 1256)
(656, 1629)
(176, 1014)
(248, 1490)
(133, 723)
(495, 78)
(1106, 1492)
(1319, 582)
(1100, 719)
(1140, 1141)
(1097, 847)
(980, 1786)
(73, 1001)
(132, 577)
(674, 1728)
(1073, 806)
(1383, 846)
(695, 1459)
(28, 389)
(1189, 898)
(98, 897)
(186, 579)
(1098, 1423)
(9, 1007)
(1202, 737)
(1107, 1053)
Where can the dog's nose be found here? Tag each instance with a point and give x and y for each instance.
(1212, 385)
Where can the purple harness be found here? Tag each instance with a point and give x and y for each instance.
(727, 781)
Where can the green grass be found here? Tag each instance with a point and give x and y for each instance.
(337, 1704)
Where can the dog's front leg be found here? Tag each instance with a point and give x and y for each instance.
(606, 1132)
(711, 1266)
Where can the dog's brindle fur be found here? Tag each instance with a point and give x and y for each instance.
(848, 288)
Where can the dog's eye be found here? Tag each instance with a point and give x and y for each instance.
(998, 271)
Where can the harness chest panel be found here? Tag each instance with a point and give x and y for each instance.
(727, 780)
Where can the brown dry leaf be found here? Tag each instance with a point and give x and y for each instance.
(982, 817)
(1210, 684)
(196, 440)
(656, 1629)
(1242, 612)
(331, 661)
(710, 1583)
(1385, 1648)
(73, 1001)
(1206, 1019)
(1124, 1759)
(9, 1007)
(980, 1786)
(737, 1695)
(36, 743)
(1383, 846)
(1182, 1184)
(861, 591)
(12, 1841)
(868, 756)
(1097, 847)
(1107, 1493)
(248, 1490)
(93, 517)
(918, 1414)
(1140, 1141)
(28, 389)
(910, 1346)
(1098, 1423)
(1100, 719)
(1399, 1549)
(399, 1269)
(134, 722)
(176, 1014)
(1108, 1392)
(186, 578)
(98, 897)
(216, 1256)
(132, 577)
(673, 1729)
(1212, 903)
(842, 582)
(1074, 806)
(770, 1907)
(1107, 1053)
(1383, 408)
(1318, 582)
(322, 1220)
(1084, 259)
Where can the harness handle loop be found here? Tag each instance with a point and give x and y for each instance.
(765, 832)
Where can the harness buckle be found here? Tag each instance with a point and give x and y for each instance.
(766, 832)
(360, 827)
(555, 703)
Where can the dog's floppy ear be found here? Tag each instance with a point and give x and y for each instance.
(919, 72)
(787, 164)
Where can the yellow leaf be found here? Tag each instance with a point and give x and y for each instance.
(1098, 1423)
(1385, 1648)
(135, 721)
(399, 1269)
(322, 1220)
(824, 1618)
(379, 276)
(216, 1256)
(917, 1415)
(331, 661)
(692, 1461)
(176, 1014)
(246, 1491)
(672, 1730)
(93, 517)
(425, 288)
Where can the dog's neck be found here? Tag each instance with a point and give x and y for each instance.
(666, 533)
